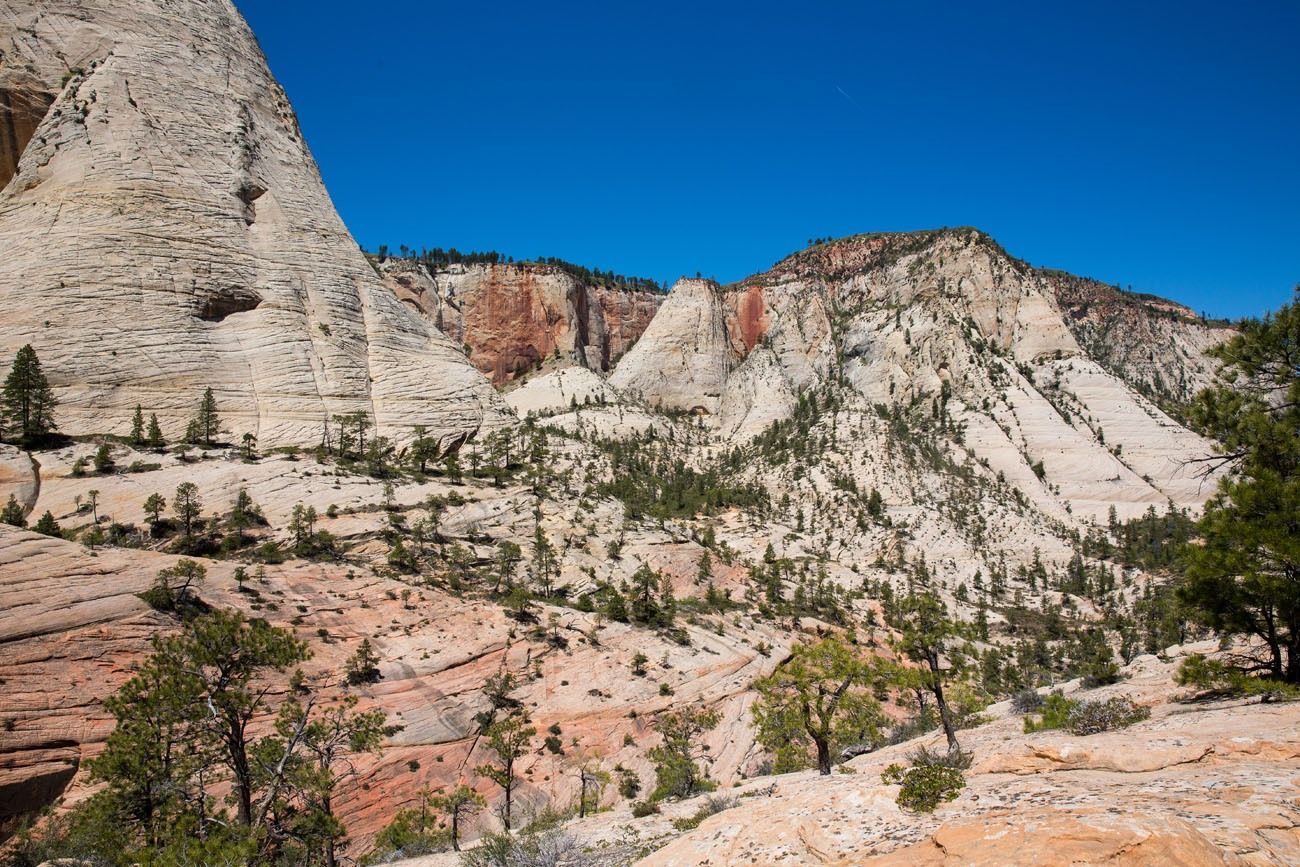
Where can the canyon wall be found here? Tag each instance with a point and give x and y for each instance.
(512, 317)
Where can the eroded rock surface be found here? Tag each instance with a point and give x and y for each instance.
(514, 317)
(165, 230)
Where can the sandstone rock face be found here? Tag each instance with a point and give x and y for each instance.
(165, 230)
(1195, 785)
(71, 628)
(513, 317)
(1156, 346)
(560, 390)
(949, 318)
(683, 359)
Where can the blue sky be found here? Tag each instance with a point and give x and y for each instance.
(1155, 145)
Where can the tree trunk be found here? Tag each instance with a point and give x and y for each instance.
(243, 782)
(455, 829)
(945, 717)
(327, 808)
(823, 755)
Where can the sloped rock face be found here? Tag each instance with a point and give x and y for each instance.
(1195, 785)
(166, 230)
(684, 358)
(22, 105)
(949, 319)
(1156, 346)
(554, 392)
(512, 317)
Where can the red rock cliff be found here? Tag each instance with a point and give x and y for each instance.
(512, 316)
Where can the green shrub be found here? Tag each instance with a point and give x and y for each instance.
(641, 809)
(924, 787)
(958, 758)
(712, 805)
(1215, 676)
(1093, 717)
(1054, 713)
(1087, 717)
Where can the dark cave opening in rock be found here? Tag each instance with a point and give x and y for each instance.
(224, 302)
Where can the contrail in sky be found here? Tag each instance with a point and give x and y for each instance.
(846, 96)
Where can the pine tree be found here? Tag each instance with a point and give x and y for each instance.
(187, 506)
(27, 403)
(13, 513)
(458, 805)
(155, 436)
(137, 426)
(675, 758)
(924, 629)
(820, 698)
(1244, 578)
(509, 739)
(153, 508)
(205, 426)
(48, 526)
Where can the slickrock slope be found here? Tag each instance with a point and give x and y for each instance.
(1154, 345)
(1198, 785)
(947, 318)
(71, 628)
(559, 390)
(513, 317)
(166, 230)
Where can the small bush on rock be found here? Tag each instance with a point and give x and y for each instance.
(1086, 717)
(924, 787)
(641, 809)
(1093, 717)
(1026, 701)
(712, 805)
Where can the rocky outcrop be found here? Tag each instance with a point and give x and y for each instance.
(1154, 345)
(558, 390)
(22, 105)
(684, 357)
(947, 319)
(165, 230)
(71, 626)
(513, 317)
(1198, 784)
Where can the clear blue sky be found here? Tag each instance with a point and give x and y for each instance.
(1155, 145)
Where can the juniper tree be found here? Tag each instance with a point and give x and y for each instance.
(820, 698)
(27, 402)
